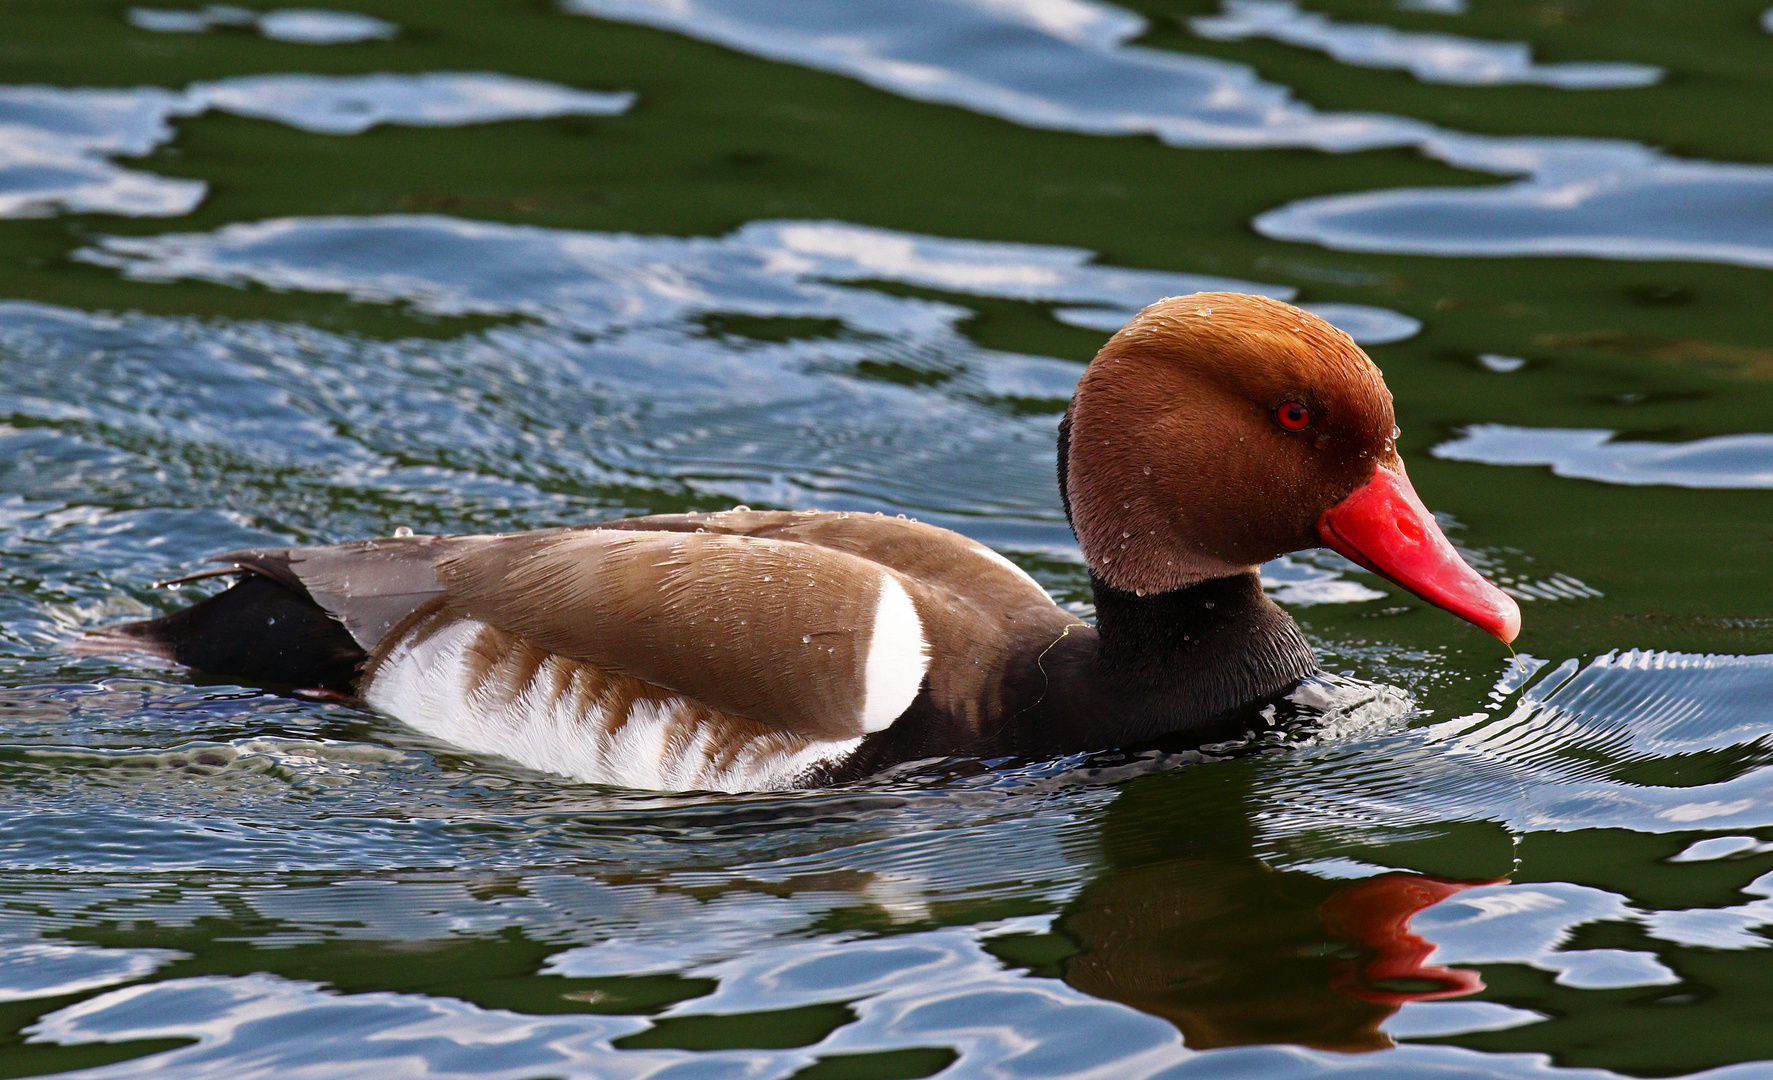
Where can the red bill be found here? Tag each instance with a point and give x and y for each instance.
(1384, 527)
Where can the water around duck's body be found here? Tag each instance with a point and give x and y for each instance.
(291, 275)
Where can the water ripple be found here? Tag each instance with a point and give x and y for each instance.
(1067, 65)
(55, 143)
(1439, 58)
(1573, 752)
(1724, 461)
(308, 26)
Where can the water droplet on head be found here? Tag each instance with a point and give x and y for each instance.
(403, 532)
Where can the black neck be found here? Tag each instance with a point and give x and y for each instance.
(1185, 663)
(1162, 664)
(1166, 662)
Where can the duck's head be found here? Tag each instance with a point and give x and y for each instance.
(1217, 431)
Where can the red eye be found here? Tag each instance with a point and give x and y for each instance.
(1292, 415)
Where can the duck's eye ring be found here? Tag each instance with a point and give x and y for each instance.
(1292, 416)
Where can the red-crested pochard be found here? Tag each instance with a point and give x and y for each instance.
(751, 650)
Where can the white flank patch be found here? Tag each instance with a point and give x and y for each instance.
(897, 658)
(428, 687)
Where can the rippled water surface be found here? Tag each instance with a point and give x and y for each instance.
(273, 275)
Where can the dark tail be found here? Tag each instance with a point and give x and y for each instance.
(259, 632)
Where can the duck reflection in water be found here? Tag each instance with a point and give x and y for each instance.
(1233, 951)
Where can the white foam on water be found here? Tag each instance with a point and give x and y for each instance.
(1436, 58)
(55, 143)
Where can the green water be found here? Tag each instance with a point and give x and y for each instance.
(1171, 896)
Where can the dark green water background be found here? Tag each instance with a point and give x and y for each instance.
(325, 875)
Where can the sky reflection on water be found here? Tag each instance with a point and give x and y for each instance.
(1442, 58)
(309, 26)
(1397, 873)
(1724, 461)
(55, 143)
(1067, 65)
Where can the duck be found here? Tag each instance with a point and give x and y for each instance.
(752, 650)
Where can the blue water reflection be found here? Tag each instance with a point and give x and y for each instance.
(55, 144)
(1439, 58)
(1067, 65)
(1575, 871)
(1723, 461)
(308, 26)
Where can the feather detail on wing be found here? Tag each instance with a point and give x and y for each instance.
(368, 585)
(825, 626)
(810, 640)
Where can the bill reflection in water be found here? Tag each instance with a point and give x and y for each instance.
(280, 277)
(1236, 952)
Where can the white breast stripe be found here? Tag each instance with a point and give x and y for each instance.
(897, 657)
(558, 718)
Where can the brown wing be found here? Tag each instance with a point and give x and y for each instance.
(963, 568)
(809, 639)
(978, 609)
(773, 616)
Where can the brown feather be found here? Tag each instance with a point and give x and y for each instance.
(760, 628)
(977, 610)
(1176, 471)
